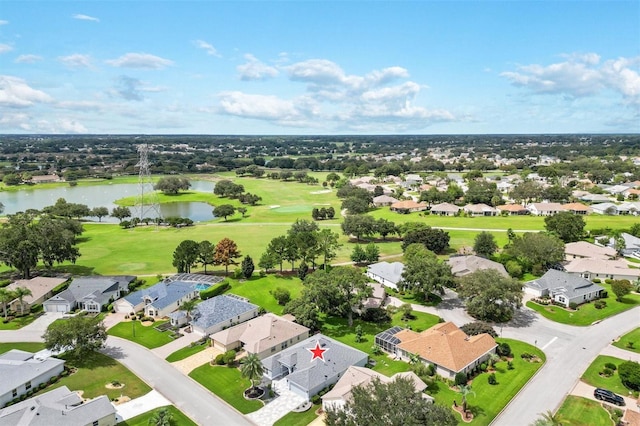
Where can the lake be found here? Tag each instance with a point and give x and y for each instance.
(103, 196)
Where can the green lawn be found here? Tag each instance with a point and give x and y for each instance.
(299, 419)
(489, 400)
(146, 336)
(179, 419)
(630, 341)
(587, 313)
(228, 384)
(95, 372)
(592, 376)
(257, 290)
(18, 322)
(23, 346)
(186, 352)
(578, 411)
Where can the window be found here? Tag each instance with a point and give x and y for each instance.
(14, 393)
(96, 422)
(27, 386)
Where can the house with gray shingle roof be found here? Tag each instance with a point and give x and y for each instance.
(564, 288)
(313, 364)
(60, 406)
(20, 371)
(89, 293)
(387, 274)
(158, 300)
(220, 312)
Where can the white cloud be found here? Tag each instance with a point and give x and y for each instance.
(207, 47)
(28, 59)
(4, 48)
(317, 71)
(580, 75)
(82, 106)
(16, 93)
(255, 69)
(140, 60)
(76, 60)
(258, 106)
(85, 17)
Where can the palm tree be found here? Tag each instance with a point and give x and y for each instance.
(252, 369)
(493, 359)
(161, 417)
(549, 419)
(414, 358)
(188, 306)
(20, 293)
(6, 296)
(465, 390)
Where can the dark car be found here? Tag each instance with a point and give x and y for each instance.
(608, 396)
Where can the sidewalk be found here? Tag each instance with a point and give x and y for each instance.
(181, 342)
(140, 405)
(621, 353)
(187, 365)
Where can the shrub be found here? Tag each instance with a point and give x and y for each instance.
(629, 373)
(460, 379)
(282, 295)
(483, 366)
(503, 349)
(611, 366)
(573, 305)
(315, 399)
(431, 370)
(596, 280)
(214, 290)
(229, 357)
(526, 355)
(510, 365)
(219, 359)
(478, 327)
(376, 350)
(599, 304)
(608, 281)
(420, 369)
(514, 269)
(607, 372)
(492, 379)
(630, 344)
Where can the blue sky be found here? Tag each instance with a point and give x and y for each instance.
(319, 67)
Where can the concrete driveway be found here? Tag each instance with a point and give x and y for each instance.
(32, 332)
(586, 391)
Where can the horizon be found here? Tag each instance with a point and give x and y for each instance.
(469, 67)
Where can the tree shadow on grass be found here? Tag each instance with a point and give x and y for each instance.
(75, 269)
(90, 360)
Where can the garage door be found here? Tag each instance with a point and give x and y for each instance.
(61, 308)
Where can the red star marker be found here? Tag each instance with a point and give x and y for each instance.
(317, 352)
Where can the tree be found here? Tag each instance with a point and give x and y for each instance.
(478, 327)
(385, 227)
(465, 391)
(252, 369)
(171, 185)
(327, 245)
(121, 212)
(20, 293)
(389, 404)
(527, 191)
(566, 225)
(424, 273)
(226, 188)
(242, 210)
(267, 261)
(188, 306)
(629, 372)
(536, 248)
(161, 417)
(481, 192)
(79, 335)
(282, 295)
(277, 249)
(485, 244)
(303, 241)
(225, 252)
(247, 267)
(549, 419)
(185, 256)
(360, 225)
(490, 296)
(355, 205)
(358, 255)
(372, 253)
(621, 288)
(224, 210)
(205, 254)
(100, 212)
(305, 309)
(433, 239)
(6, 296)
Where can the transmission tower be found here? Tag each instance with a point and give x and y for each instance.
(147, 203)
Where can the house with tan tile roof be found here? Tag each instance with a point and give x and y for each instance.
(444, 345)
(264, 336)
(577, 208)
(355, 376)
(407, 206)
(480, 210)
(585, 250)
(591, 268)
(513, 209)
(41, 289)
(445, 209)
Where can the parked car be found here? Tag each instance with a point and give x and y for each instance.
(608, 396)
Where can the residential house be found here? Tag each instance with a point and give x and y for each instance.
(444, 345)
(631, 245)
(513, 209)
(355, 376)
(264, 336)
(41, 289)
(384, 200)
(91, 293)
(387, 274)
(610, 209)
(564, 288)
(583, 250)
(21, 372)
(545, 209)
(160, 299)
(595, 198)
(220, 312)
(378, 297)
(311, 365)
(407, 206)
(480, 210)
(633, 207)
(62, 407)
(45, 178)
(465, 265)
(591, 268)
(445, 209)
(576, 208)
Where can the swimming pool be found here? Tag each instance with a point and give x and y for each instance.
(202, 286)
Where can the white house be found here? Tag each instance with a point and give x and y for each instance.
(21, 372)
(545, 209)
(387, 274)
(563, 288)
(90, 293)
(603, 269)
(158, 300)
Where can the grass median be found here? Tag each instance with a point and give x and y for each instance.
(630, 341)
(613, 383)
(145, 335)
(144, 419)
(578, 411)
(227, 383)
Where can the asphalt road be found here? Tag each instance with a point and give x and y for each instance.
(185, 393)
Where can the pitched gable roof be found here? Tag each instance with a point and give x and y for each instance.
(561, 282)
(391, 272)
(220, 309)
(465, 265)
(162, 294)
(585, 249)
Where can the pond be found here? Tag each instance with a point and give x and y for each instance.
(103, 196)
